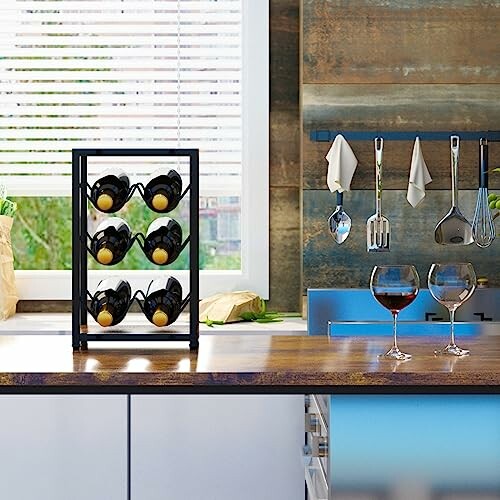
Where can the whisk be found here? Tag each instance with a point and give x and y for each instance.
(483, 228)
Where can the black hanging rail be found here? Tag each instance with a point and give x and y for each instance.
(329, 135)
(80, 330)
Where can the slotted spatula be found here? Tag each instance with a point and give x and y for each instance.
(454, 228)
(377, 226)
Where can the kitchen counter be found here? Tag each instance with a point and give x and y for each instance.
(248, 364)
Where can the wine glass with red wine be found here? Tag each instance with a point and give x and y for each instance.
(395, 287)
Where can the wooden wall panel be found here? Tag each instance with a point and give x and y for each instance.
(375, 65)
(397, 159)
(284, 162)
(400, 107)
(328, 265)
(444, 46)
(411, 41)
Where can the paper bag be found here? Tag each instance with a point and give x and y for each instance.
(228, 307)
(8, 291)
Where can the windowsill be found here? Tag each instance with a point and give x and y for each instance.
(60, 324)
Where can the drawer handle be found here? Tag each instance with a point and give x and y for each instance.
(311, 422)
(319, 446)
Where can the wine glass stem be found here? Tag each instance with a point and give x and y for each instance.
(452, 326)
(395, 320)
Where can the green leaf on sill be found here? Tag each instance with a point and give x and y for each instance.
(267, 316)
(211, 322)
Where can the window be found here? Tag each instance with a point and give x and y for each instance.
(128, 73)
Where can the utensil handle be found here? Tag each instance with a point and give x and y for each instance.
(340, 199)
(483, 163)
(379, 146)
(454, 147)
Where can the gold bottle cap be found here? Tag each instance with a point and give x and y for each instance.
(482, 281)
(104, 256)
(105, 318)
(159, 202)
(160, 256)
(104, 202)
(160, 318)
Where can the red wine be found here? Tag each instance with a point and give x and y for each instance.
(395, 301)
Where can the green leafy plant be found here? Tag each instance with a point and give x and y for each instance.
(494, 199)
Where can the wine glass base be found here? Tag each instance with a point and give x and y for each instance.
(452, 350)
(395, 353)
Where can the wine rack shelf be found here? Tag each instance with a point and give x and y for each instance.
(80, 202)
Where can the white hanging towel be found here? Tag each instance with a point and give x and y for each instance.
(341, 165)
(419, 176)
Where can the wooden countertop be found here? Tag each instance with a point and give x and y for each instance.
(246, 364)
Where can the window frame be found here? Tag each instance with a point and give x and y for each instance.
(254, 195)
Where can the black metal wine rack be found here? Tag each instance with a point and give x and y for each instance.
(80, 331)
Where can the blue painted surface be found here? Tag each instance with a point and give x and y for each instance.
(409, 328)
(342, 305)
(440, 442)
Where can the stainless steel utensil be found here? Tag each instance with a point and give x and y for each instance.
(483, 228)
(339, 222)
(377, 226)
(454, 228)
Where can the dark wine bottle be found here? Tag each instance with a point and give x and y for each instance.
(163, 241)
(111, 301)
(162, 304)
(111, 241)
(163, 191)
(110, 192)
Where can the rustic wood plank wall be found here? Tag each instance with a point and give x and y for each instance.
(285, 178)
(379, 65)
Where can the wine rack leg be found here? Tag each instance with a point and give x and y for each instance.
(75, 299)
(83, 245)
(194, 258)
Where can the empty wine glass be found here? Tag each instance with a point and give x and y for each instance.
(451, 285)
(395, 287)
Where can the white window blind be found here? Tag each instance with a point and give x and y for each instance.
(119, 73)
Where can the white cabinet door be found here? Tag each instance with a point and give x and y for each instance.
(63, 447)
(217, 447)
